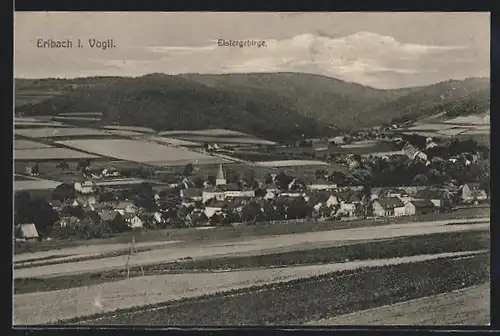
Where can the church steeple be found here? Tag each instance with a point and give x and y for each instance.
(220, 179)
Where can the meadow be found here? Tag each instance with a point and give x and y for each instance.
(219, 136)
(142, 152)
(27, 185)
(54, 153)
(51, 132)
(29, 144)
(291, 163)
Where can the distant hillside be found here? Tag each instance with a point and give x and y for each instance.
(275, 106)
(166, 102)
(345, 104)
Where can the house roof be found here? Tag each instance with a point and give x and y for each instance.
(422, 204)
(191, 192)
(390, 202)
(223, 188)
(28, 231)
(123, 204)
(217, 204)
(129, 216)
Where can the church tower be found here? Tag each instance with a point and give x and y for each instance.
(220, 179)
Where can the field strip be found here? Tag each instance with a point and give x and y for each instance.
(85, 250)
(46, 307)
(467, 306)
(172, 254)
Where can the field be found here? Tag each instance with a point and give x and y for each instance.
(471, 120)
(29, 144)
(304, 292)
(270, 244)
(353, 251)
(468, 306)
(130, 128)
(175, 142)
(291, 163)
(53, 153)
(20, 185)
(257, 156)
(294, 278)
(220, 136)
(142, 152)
(50, 132)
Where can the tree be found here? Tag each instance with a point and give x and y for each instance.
(251, 212)
(118, 224)
(260, 192)
(63, 165)
(232, 176)
(36, 169)
(83, 164)
(107, 196)
(39, 212)
(188, 170)
(211, 179)
(63, 192)
(198, 182)
(77, 211)
(268, 179)
(22, 201)
(283, 180)
(420, 180)
(144, 197)
(249, 178)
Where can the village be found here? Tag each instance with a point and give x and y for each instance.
(86, 210)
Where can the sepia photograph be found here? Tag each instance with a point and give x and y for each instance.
(251, 169)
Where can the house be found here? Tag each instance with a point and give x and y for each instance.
(124, 207)
(98, 207)
(85, 187)
(419, 207)
(27, 232)
(350, 210)
(196, 194)
(70, 221)
(221, 192)
(196, 218)
(86, 201)
(385, 207)
(212, 207)
(133, 221)
(296, 185)
(441, 198)
(332, 201)
(321, 184)
(472, 193)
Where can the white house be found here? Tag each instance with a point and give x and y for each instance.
(332, 201)
(86, 187)
(133, 221)
(321, 184)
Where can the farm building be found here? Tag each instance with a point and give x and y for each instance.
(386, 207)
(213, 207)
(321, 184)
(85, 187)
(124, 207)
(133, 221)
(419, 207)
(441, 198)
(27, 232)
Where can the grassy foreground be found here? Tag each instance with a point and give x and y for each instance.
(401, 247)
(303, 300)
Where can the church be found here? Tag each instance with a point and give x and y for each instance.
(223, 190)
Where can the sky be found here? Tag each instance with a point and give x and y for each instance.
(381, 50)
